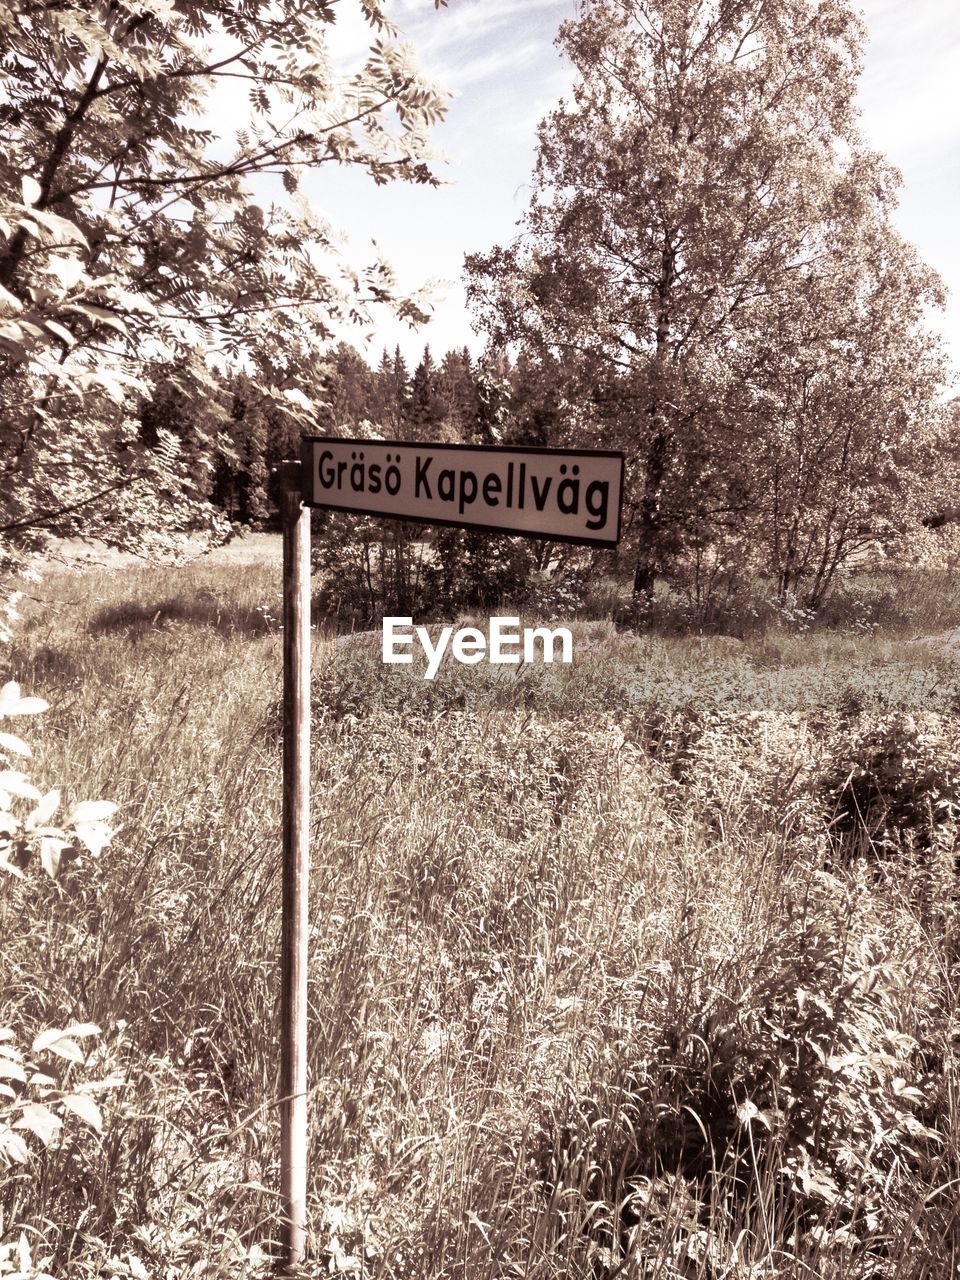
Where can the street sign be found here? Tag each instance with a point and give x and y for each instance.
(564, 495)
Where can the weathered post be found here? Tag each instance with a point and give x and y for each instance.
(296, 864)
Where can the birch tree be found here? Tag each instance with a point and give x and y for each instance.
(707, 160)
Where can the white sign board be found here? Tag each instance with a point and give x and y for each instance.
(564, 495)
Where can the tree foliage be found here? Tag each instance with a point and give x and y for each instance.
(369, 567)
(710, 254)
(135, 236)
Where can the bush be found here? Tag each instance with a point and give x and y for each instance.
(45, 1087)
(477, 571)
(893, 781)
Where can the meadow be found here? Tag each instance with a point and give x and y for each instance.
(644, 967)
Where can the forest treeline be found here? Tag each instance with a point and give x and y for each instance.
(371, 565)
(454, 399)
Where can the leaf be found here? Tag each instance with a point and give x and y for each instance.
(30, 188)
(39, 1120)
(51, 849)
(40, 1080)
(15, 784)
(135, 302)
(82, 1105)
(63, 1041)
(94, 836)
(100, 314)
(12, 1146)
(10, 1070)
(748, 1111)
(66, 1048)
(41, 815)
(60, 332)
(11, 704)
(10, 742)
(137, 1269)
(92, 811)
(62, 230)
(299, 399)
(15, 867)
(68, 272)
(10, 301)
(82, 1030)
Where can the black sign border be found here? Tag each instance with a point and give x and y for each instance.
(307, 489)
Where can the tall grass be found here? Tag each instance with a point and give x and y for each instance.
(598, 986)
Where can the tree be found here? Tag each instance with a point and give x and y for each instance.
(348, 388)
(536, 400)
(844, 416)
(239, 480)
(136, 234)
(458, 391)
(705, 173)
(135, 488)
(940, 505)
(426, 408)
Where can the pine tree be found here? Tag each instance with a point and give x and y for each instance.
(426, 410)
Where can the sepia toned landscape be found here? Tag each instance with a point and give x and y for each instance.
(643, 962)
(641, 965)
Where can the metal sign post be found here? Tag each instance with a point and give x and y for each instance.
(563, 495)
(296, 864)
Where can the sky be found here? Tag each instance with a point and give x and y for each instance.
(500, 59)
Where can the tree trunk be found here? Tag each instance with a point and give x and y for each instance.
(649, 525)
(644, 581)
(650, 554)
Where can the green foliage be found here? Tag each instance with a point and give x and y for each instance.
(711, 267)
(24, 835)
(368, 567)
(478, 570)
(789, 1093)
(38, 1092)
(46, 1090)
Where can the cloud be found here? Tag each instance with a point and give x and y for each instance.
(912, 67)
(465, 69)
(467, 22)
(911, 112)
(500, 56)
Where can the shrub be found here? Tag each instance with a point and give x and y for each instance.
(894, 780)
(43, 1088)
(786, 1098)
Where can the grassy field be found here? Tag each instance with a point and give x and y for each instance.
(644, 967)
